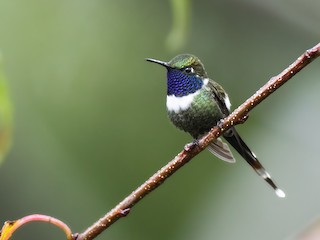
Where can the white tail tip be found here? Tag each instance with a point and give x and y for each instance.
(280, 193)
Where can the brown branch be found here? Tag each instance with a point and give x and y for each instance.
(237, 117)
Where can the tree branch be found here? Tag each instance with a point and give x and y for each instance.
(236, 117)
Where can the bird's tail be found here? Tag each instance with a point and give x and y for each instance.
(235, 140)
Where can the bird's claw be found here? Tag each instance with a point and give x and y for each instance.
(189, 146)
(220, 123)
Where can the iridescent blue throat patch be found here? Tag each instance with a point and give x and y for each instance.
(181, 84)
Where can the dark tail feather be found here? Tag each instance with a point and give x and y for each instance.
(235, 140)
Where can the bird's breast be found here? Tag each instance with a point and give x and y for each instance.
(195, 113)
(178, 104)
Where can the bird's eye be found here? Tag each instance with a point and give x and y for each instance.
(189, 70)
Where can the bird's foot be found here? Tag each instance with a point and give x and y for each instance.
(189, 146)
(220, 123)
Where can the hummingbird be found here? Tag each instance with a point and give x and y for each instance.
(196, 103)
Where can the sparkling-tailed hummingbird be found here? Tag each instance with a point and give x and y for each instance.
(196, 103)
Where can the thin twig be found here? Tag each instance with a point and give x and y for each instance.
(10, 227)
(237, 117)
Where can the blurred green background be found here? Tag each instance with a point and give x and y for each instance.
(90, 123)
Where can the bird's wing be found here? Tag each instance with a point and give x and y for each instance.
(218, 147)
(221, 150)
(220, 97)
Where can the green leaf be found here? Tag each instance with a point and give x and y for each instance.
(5, 115)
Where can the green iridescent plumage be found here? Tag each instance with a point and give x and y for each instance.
(201, 116)
(187, 60)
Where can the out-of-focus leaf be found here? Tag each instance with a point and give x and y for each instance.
(180, 25)
(311, 232)
(5, 115)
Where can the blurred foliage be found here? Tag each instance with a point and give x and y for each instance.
(91, 124)
(5, 115)
(309, 232)
(178, 36)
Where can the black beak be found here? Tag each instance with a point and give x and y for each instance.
(165, 64)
